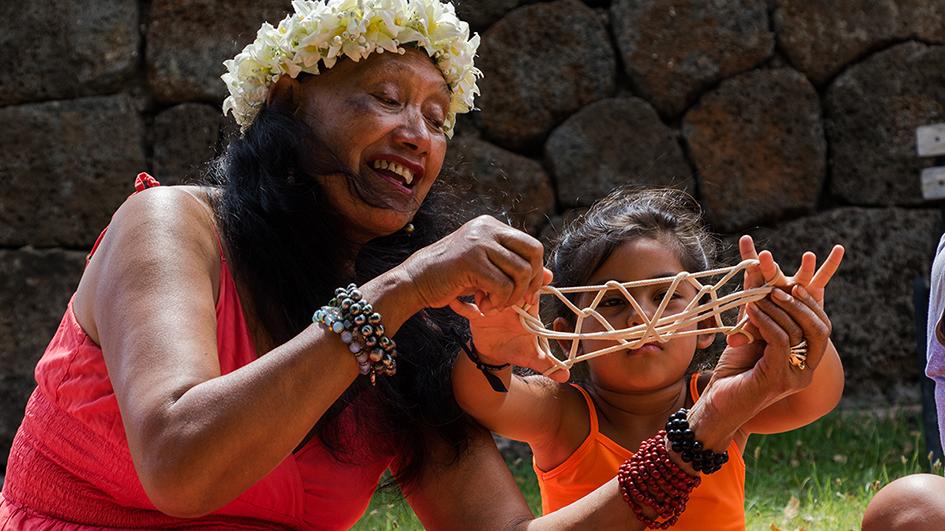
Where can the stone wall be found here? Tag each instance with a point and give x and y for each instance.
(790, 121)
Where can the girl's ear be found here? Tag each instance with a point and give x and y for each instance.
(704, 341)
(561, 324)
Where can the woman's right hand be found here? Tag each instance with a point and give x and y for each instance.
(748, 378)
(496, 264)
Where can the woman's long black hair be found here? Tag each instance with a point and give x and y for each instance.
(288, 251)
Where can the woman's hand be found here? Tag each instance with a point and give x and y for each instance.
(751, 377)
(498, 265)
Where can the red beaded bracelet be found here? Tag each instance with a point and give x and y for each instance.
(651, 478)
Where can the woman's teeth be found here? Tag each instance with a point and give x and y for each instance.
(395, 168)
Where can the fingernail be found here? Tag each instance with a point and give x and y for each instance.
(800, 291)
(780, 295)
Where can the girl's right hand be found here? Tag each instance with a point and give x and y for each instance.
(496, 264)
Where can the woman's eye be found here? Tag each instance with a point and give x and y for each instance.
(387, 100)
(436, 123)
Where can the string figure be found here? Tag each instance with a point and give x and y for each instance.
(707, 303)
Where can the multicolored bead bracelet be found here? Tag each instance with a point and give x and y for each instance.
(360, 327)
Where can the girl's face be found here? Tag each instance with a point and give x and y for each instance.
(654, 365)
(383, 117)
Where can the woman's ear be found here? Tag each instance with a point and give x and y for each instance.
(285, 95)
(561, 324)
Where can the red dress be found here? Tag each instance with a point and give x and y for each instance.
(70, 466)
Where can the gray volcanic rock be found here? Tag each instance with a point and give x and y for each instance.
(821, 38)
(35, 287)
(188, 40)
(869, 301)
(759, 149)
(610, 143)
(872, 111)
(52, 50)
(186, 137)
(674, 49)
(541, 63)
(480, 14)
(498, 182)
(66, 166)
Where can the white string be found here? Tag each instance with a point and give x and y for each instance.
(658, 328)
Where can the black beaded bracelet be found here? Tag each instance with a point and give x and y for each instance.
(360, 327)
(683, 440)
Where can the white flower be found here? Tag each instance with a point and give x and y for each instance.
(322, 31)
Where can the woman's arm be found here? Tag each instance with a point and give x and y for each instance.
(198, 438)
(148, 298)
(808, 287)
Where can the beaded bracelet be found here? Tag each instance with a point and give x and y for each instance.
(359, 326)
(684, 443)
(651, 478)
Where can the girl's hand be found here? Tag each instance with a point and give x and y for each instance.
(500, 338)
(497, 264)
(814, 281)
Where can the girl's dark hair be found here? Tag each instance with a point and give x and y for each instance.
(287, 249)
(671, 216)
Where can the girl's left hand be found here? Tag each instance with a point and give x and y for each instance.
(500, 338)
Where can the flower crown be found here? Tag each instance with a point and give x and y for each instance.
(322, 31)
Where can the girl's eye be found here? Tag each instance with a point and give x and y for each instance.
(612, 302)
(661, 295)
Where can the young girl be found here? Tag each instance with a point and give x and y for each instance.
(581, 432)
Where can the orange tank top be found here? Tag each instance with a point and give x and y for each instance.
(719, 499)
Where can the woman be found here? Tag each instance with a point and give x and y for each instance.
(187, 384)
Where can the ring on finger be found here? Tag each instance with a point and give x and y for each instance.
(798, 355)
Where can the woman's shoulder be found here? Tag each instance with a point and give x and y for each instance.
(153, 234)
(183, 213)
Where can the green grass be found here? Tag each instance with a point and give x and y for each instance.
(823, 476)
(819, 477)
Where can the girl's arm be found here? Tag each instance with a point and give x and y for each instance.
(827, 383)
(533, 407)
(823, 393)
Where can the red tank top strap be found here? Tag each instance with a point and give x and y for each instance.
(142, 182)
(592, 411)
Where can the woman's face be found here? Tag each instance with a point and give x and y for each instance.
(383, 117)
